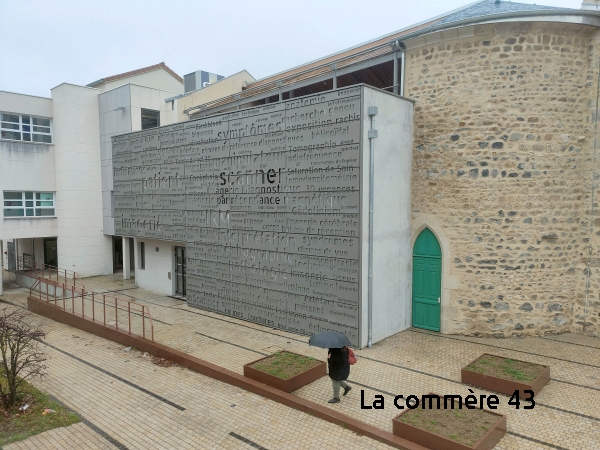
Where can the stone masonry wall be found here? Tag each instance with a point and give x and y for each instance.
(503, 149)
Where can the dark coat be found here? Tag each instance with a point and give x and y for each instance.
(339, 367)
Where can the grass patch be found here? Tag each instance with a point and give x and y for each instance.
(506, 368)
(285, 365)
(17, 425)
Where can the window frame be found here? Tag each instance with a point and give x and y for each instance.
(22, 131)
(25, 207)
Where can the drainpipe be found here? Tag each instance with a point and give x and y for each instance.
(372, 111)
(395, 82)
(398, 46)
(402, 75)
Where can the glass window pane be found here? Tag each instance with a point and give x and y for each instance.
(150, 119)
(9, 117)
(42, 138)
(25, 119)
(12, 203)
(28, 195)
(13, 195)
(10, 135)
(10, 126)
(29, 204)
(41, 129)
(44, 195)
(27, 137)
(26, 128)
(44, 212)
(13, 213)
(29, 212)
(42, 122)
(44, 203)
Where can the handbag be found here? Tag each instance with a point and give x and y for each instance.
(351, 356)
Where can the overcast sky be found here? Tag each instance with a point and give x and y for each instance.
(47, 42)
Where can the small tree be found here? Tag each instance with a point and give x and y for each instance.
(21, 356)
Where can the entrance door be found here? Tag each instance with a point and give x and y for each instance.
(50, 252)
(427, 280)
(180, 271)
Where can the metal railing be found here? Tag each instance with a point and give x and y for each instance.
(123, 315)
(46, 271)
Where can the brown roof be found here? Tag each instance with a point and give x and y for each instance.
(161, 65)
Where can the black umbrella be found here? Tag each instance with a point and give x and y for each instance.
(329, 339)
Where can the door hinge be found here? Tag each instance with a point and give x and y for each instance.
(439, 300)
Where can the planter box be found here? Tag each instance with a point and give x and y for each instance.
(437, 442)
(508, 387)
(289, 385)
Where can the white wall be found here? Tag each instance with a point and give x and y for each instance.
(82, 246)
(157, 79)
(26, 166)
(112, 122)
(392, 257)
(25, 104)
(155, 276)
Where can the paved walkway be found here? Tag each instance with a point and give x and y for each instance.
(127, 399)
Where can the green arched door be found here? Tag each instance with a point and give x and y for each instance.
(427, 281)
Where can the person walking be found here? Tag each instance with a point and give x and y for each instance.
(339, 370)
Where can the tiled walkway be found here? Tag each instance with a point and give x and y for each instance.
(140, 405)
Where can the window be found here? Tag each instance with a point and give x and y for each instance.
(142, 255)
(29, 204)
(18, 127)
(150, 119)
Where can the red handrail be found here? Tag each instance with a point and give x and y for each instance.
(42, 270)
(130, 308)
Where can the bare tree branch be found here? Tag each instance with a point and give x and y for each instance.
(20, 350)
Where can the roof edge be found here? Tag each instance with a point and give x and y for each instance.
(491, 18)
(147, 69)
(370, 41)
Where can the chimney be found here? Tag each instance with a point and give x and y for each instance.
(593, 5)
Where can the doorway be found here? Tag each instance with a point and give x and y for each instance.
(118, 254)
(180, 264)
(50, 252)
(427, 282)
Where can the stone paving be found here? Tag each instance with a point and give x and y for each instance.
(566, 415)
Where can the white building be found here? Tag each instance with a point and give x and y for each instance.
(56, 171)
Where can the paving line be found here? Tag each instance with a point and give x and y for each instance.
(537, 441)
(575, 384)
(570, 343)
(231, 343)
(247, 441)
(94, 427)
(110, 374)
(504, 348)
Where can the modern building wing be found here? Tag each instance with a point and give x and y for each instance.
(503, 183)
